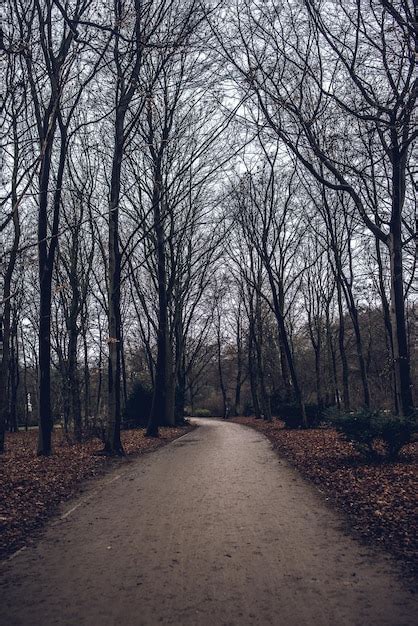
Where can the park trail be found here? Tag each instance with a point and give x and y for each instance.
(213, 529)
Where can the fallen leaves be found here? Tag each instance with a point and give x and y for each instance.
(380, 498)
(31, 487)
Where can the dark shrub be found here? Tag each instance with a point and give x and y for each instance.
(376, 434)
(202, 413)
(292, 415)
(396, 432)
(138, 407)
(248, 409)
(356, 428)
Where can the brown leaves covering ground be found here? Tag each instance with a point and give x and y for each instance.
(31, 487)
(380, 498)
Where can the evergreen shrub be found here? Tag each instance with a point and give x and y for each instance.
(376, 434)
(138, 407)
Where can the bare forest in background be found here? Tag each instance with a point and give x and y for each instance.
(205, 208)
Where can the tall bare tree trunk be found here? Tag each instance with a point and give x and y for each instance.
(397, 306)
(180, 369)
(253, 371)
(387, 322)
(25, 380)
(286, 345)
(332, 362)
(263, 398)
(46, 256)
(5, 303)
(14, 375)
(282, 351)
(220, 369)
(112, 443)
(341, 346)
(86, 379)
(158, 414)
(238, 379)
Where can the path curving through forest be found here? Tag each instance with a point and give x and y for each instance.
(213, 529)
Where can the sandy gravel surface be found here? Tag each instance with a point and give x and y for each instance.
(213, 529)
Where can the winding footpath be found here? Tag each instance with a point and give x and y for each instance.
(213, 529)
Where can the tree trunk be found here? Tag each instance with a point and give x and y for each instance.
(170, 410)
(253, 372)
(360, 355)
(264, 399)
(388, 323)
(25, 380)
(124, 378)
(352, 309)
(86, 381)
(5, 303)
(318, 376)
(45, 421)
(404, 400)
(46, 255)
(283, 360)
(286, 346)
(180, 368)
(74, 385)
(180, 399)
(160, 400)
(98, 406)
(112, 443)
(341, 346)
(14, 378)
(4, 357)
(220, 371)
(238, 380)
(332, 362)
(74, 402)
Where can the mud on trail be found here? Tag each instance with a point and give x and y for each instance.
(212, 529)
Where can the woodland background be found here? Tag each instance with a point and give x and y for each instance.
(205, 205)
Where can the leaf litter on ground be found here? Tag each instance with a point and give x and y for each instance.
(32, 487)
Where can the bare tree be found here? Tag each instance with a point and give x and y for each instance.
(275, 233)
(331, 79)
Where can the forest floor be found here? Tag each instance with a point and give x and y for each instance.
(32, 488)
(379, 498)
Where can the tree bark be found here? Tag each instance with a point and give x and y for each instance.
(46, 255)
(5, 326)
(220, 370)
(158, 414)
(397, 305)
(341, 347)
(112, 443)
(286, 346)
(252, 367)
(180, 392)
(387, 322)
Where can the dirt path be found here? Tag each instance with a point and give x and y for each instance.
(213, 529)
